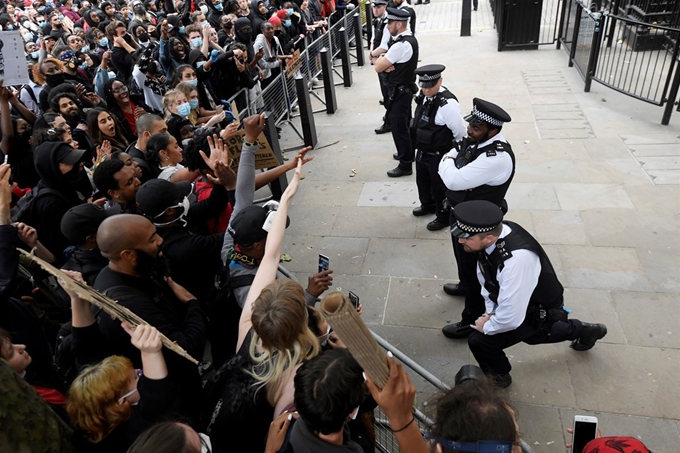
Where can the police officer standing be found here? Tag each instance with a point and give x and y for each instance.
(481, 170)
(400, 63)
(437, 125)
(379, 46)
(523, 298)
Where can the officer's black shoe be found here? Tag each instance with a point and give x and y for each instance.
(502, 381)
(419, 2)
(397, 172)
(437, 225)
(591, 333)
(384, 129)
(381, 102)
(427, 2)
(423, 210)
(457, 330)
(454, 289)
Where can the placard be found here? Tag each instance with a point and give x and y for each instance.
(264, 157)
(294, 64)
(13, 67)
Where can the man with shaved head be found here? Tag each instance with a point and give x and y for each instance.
(136, 278)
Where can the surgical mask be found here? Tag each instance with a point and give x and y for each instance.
(35, 55)
(193, 103)
(104, 42)
(287, 23)
(199, 64)
(83, 65)
(204, 23)
(181, 30)
(61, 17)
(41, 23)
(85, 49)
(10, 27)
(28, 36)
(197, 42)
(182, 217)
(193, 82)
(30, 25)
(49, 2)
(290, 11)
(266, 4)
(112, 75)
(219, 7)
(74, 8)
(204, 9)
(183, 110)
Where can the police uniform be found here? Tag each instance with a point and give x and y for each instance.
(403, 54)
(479, 171)
(521, 292)
(380, 41)
(437, 126)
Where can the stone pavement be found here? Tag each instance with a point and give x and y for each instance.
(597, 184)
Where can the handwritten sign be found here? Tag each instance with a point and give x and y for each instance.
(294, 64)
(13, 69)
(264, 157)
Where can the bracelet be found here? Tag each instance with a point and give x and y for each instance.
(406, 426)
(250, 144)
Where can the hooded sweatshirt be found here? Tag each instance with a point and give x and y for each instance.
(47, 210)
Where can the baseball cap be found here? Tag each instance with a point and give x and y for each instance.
(615, 444)
(83, 220)
(248, 226)
(67, 155)
(157, 195)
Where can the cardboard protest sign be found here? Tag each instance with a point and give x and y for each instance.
(294, 64)
(264, 157)
(13, 69)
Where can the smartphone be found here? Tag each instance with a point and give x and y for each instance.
(585, 429)
(354, 299)
(324, 263)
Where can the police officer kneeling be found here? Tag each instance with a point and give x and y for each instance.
(524, 300)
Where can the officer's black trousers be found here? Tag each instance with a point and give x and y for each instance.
(382, 79)
(400, 118)
(431, 188)
(467, 275)
(488, 349)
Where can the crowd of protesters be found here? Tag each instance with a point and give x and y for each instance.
(116, 170)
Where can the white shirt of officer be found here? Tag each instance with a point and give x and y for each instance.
(400, 52)
(484, 170)
(449, 115)
(517, 282)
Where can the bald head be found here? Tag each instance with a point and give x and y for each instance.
(124, 232)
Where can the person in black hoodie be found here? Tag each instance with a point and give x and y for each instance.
(61, 187)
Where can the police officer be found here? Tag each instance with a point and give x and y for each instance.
(523, 298)
(481, 170)
(379, 46)
(400, 63)
(437, 124)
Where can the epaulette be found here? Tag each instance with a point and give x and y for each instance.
(490, 152)
(501, 254)
(443, 101)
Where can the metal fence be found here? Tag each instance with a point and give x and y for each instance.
(526, 24)
(633, 57)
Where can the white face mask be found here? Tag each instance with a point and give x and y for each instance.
(182, 217)
(204, 9)
(206, 445)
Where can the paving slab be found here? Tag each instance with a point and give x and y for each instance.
(596, 306)
(647, 318)
(417, 302)
(403, 193)
(397, 258)
(612, 228)
(360, 221)
(559, 227)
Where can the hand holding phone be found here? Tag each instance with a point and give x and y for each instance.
(324, 263)
(585, 430)
(354, 299)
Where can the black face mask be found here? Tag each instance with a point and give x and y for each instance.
(26, 135)
(149, 266)
(54, 79)
(228, 26)
(277, 32)
(144, 37)
(139, 11)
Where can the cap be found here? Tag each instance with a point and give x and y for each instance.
(248, 227)
(83, 220)
(474, 217)
(397, 14)
(157, 195)
(429, 74)
(615, 444)
(487, 112)
(379, 2)
(50, 36)
(67, 155)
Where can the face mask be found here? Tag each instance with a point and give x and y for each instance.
(199, 64)
(10, 27)
(181, 30)
(219, 7)
(140, 11)
(193, 103)
(35, 55)
(185, 209)
(85, 49)
(28, 37)
(228, 26)
(289, 11)
(61, 17)
(197, 42)
(266, 4)
(112, 75)
(49, 2)
(54, 79)
(287, 23)
(41, 23)
(104, 42)
(193, 82)
(58, 26)
(83, 65)
(30, 25)
(74, 8)
(183, 110)
(204, 9)
(204, 23)
(144, 37)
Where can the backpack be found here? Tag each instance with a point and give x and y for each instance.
(22, 212)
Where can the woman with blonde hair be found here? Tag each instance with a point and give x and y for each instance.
(197, 114)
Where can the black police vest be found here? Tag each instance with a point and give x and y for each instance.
(548, 293)
(404, 74)
(430, 137)
(378, 30)
(494, 194)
